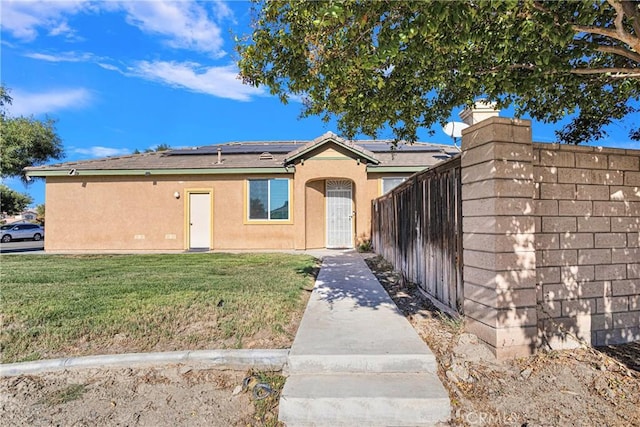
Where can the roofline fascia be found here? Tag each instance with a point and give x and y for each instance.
(336, 141)
(147, 172)
(396, 168)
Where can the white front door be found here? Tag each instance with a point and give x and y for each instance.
(199, 221)
(339, 214)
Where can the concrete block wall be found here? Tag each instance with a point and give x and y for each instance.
(498, 235)
(551, 237)
(587, 213)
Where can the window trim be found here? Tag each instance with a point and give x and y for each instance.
(382, 178)
(247, 202)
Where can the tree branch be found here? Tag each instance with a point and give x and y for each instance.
(634, 43)
(617, 22)
(633, 15)
(618, 50)
(616, 73)
(618, 33)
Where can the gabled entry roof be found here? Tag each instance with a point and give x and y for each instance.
(327, 138)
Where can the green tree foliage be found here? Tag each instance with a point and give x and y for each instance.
(40, 211)
(25, 141)
(13, 202)
(162, 147)
(408, 64)
(5, 98)
(157, 148)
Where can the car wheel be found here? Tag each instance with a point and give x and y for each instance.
(37, 237)
(6, 238)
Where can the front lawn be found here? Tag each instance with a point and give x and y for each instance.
(57, 306)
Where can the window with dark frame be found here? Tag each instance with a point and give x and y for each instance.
(268, 199)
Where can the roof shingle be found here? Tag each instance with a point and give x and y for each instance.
(248, 155)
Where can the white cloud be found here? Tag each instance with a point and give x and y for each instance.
(108, 66)
(7, 44)
(293, 97)
(99, 151)
(26, 103)
(181, 24)
(61, 29)
(62, 57)
(185, 25)
(223, 11)
(24, 19)
(222, 81)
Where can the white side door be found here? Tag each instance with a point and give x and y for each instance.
(339, 214)
(199, 221)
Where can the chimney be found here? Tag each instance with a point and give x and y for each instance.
(481, 110)
(219, 162)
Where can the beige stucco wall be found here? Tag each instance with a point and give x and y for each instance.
(141, 212)
(331, 162)
(113, 213)
(315, 228)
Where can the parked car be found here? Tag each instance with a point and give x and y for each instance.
(21, 230)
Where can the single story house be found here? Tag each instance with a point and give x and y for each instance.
(239, 195)
(27, 215)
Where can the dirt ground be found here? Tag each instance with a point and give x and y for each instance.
(170, 395)
(583, 387)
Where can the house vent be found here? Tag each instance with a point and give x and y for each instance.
(266, 156)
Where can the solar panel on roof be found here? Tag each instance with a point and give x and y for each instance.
(388, 147)
(286, 147)
(240, 149)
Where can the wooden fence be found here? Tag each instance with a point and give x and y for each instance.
(418, 228)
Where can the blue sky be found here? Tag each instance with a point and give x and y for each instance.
(120, 76)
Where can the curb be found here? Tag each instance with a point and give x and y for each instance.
(273, 360)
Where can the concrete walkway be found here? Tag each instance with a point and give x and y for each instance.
(356, 360)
